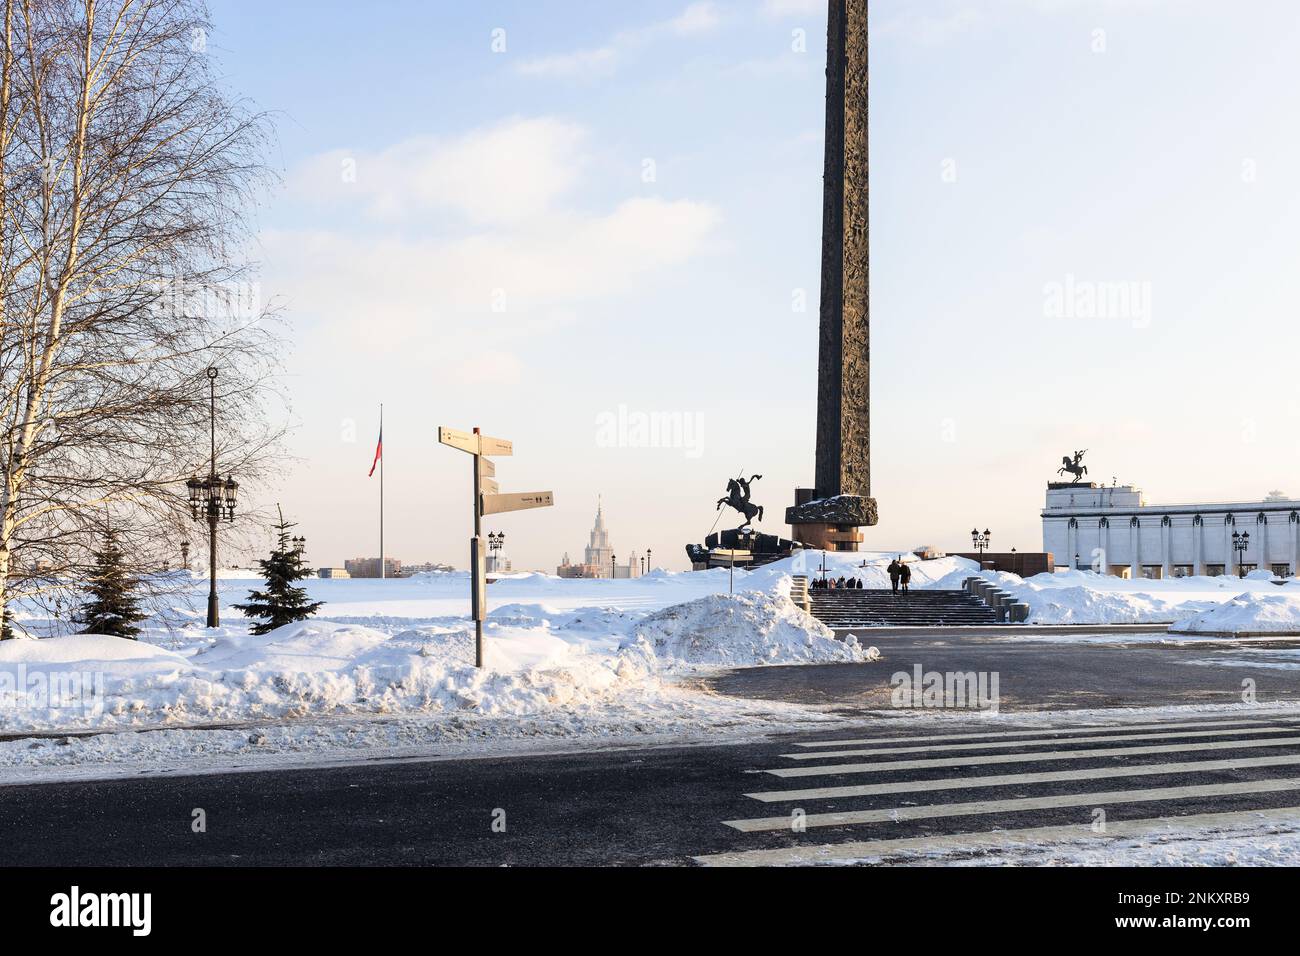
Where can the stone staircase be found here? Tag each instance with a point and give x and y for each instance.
(918, 608)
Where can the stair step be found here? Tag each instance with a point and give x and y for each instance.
(849, 607)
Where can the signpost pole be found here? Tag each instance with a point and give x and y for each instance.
(478, 554)
(481, 448)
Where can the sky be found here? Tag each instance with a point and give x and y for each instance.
(593, 229)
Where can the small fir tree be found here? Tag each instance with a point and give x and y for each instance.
(113, 607)
(282, 602)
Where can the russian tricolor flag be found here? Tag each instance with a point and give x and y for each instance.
(379, 453)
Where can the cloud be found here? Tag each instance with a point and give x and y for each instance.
(508, 172)
(563, 259)
(695, 20)
(931, 29)
(778, 9)
(942, 21)
(599, 62)
(521, 264)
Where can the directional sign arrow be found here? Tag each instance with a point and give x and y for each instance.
(487, 468)
(500, 504)
(458, 439)
(496, 446)
(488, 486)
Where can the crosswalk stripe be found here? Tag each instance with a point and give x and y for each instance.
(1037, 742)
(934, 811)
(1001, 839)
(1006, 780)
(1091, 729)
(892, 765)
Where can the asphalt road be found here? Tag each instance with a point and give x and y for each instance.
(648, 807)
(859, 789)
(1048, 675)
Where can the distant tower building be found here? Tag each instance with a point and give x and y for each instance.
(599, 553)
(598, 559)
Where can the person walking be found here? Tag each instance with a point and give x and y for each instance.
(894, 574)
(905, 575)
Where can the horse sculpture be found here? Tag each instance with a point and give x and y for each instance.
(738, 498)
(1073, 466)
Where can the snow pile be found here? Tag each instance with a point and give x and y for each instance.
(1085, 597)
(541, 661)
(1249, 613)
(310, 668)
(744, 629)
(1083, 605)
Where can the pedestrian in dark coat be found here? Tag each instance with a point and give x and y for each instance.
(905, 575)
(894, 569)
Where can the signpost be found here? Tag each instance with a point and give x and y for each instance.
(488, 500)
(500, 504)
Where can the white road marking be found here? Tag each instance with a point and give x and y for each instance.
(1013, 779)
(1091, 729)
(934, 811)
(860, 850)
(1039, 742)
(891, 765)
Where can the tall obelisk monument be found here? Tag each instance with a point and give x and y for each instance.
(832, 514)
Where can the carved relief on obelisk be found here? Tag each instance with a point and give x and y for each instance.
(830, 514)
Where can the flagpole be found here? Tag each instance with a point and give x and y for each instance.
(383, 565)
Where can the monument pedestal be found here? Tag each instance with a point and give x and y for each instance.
(746, 550)
(830, 524)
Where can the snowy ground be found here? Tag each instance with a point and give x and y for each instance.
(387, 665)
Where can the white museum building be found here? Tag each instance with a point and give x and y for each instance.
(1115, 531)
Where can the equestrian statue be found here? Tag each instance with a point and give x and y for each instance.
(738, 498)
(1073, 466)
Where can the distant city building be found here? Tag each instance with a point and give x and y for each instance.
(427, 568)
(1115, 531)
(333, 573)
(598, 559)
(369, 568)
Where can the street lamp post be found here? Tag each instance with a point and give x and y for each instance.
(1240, 543)
(496, 541)
(648, 566)
(613, 563)
(981, 540)
(213, 498)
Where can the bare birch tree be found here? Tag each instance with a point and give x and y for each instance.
(126, 176)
